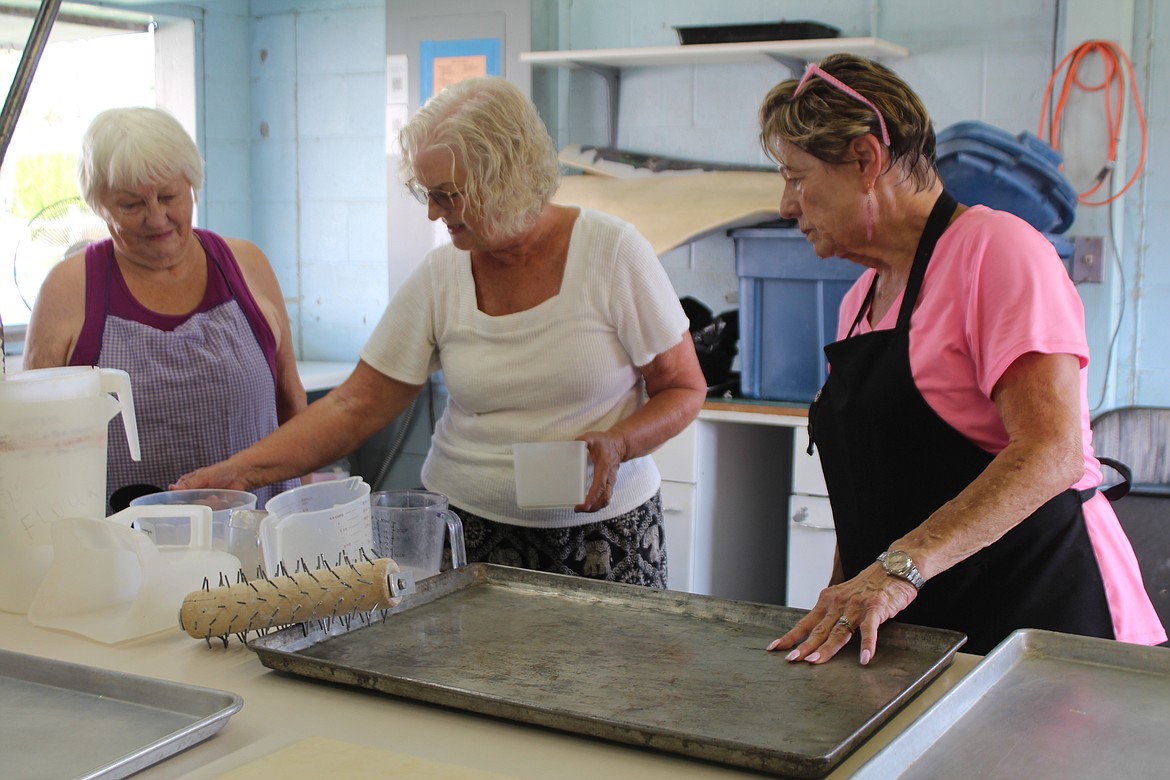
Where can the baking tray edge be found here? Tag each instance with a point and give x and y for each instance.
(98, 681)
(928, 728)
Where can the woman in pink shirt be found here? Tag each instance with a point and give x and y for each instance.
(954, 427)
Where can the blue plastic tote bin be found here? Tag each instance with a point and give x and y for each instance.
(788, 300)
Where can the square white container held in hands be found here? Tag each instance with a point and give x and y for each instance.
(550, 474)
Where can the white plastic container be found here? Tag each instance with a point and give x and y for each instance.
(53, 424)
(111, 583)
(329, 519)
(550, 474)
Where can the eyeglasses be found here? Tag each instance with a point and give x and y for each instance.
(814, 70)
(443, 199)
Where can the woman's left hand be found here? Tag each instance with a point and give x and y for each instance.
(607, 450)
(676, 389)
(858, 605)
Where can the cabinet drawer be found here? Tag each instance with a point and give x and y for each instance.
(812, 542)
(807, 476)
(676, 458)
(810, 512)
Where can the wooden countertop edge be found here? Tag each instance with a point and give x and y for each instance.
(748, 407)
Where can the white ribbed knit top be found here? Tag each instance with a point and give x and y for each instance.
(549, 373)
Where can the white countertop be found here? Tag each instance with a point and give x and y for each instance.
(280, 710)
(323, 375)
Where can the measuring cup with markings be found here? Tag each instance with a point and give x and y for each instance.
(410, 525)
(329, 521)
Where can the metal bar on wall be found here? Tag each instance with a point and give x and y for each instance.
(37, 37)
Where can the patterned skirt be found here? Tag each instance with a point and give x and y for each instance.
(630, 548)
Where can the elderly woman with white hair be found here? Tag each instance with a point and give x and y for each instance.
(197, 320)
(549, 323)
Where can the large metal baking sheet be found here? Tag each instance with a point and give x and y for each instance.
(1042, 704)
(671, 671)
(61, 720)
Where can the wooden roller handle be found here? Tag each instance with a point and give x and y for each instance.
(296, 598)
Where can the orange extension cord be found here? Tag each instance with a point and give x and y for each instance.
(1113, 85)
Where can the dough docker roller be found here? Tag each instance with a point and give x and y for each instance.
(362, 590)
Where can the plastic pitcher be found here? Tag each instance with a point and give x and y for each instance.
(409, 526)
(112, 583)
(53, 424)
(321, 520)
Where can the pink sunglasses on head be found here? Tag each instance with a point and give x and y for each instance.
(814, 70)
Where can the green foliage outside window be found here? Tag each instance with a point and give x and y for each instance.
(42, 179)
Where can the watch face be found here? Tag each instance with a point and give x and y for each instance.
(898, 562)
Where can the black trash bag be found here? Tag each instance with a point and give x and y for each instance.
(716, 339)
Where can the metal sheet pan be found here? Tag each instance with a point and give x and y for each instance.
(1042, 704)
(670, 671)
(61, 720)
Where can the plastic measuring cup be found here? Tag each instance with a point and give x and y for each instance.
(329, 520)
(169, 531)
(409, 526)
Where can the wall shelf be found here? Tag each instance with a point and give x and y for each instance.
(716, 53)
(793, 54)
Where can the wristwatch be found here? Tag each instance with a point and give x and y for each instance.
(899, 564)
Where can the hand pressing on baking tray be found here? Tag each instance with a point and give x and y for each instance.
(858, 605)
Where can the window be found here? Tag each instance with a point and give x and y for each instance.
(83, 70)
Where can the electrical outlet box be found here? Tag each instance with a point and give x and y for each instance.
(1088, 260)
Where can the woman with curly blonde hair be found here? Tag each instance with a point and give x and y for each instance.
(549, 322)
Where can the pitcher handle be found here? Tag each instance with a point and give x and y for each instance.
(455, 533)
(117, 381)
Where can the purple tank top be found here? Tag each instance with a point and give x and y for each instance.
(204, 383)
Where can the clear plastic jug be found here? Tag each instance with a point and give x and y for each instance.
(409, 526)
(53, 424)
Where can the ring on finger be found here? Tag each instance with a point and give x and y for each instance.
(844, 621)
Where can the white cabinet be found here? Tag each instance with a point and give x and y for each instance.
(746, 510)
(725, 499)
(812, 539)
(676, 462)
(678, 510)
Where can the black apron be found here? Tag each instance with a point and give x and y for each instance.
(890, 461)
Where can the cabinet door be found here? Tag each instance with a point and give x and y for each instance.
(812, 541)
(678, 510)
(676, 458)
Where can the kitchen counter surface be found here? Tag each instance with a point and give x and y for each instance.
(315, 374)
(319, 375)
(280, 711)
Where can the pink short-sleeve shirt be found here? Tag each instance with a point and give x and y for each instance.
(995, 290)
